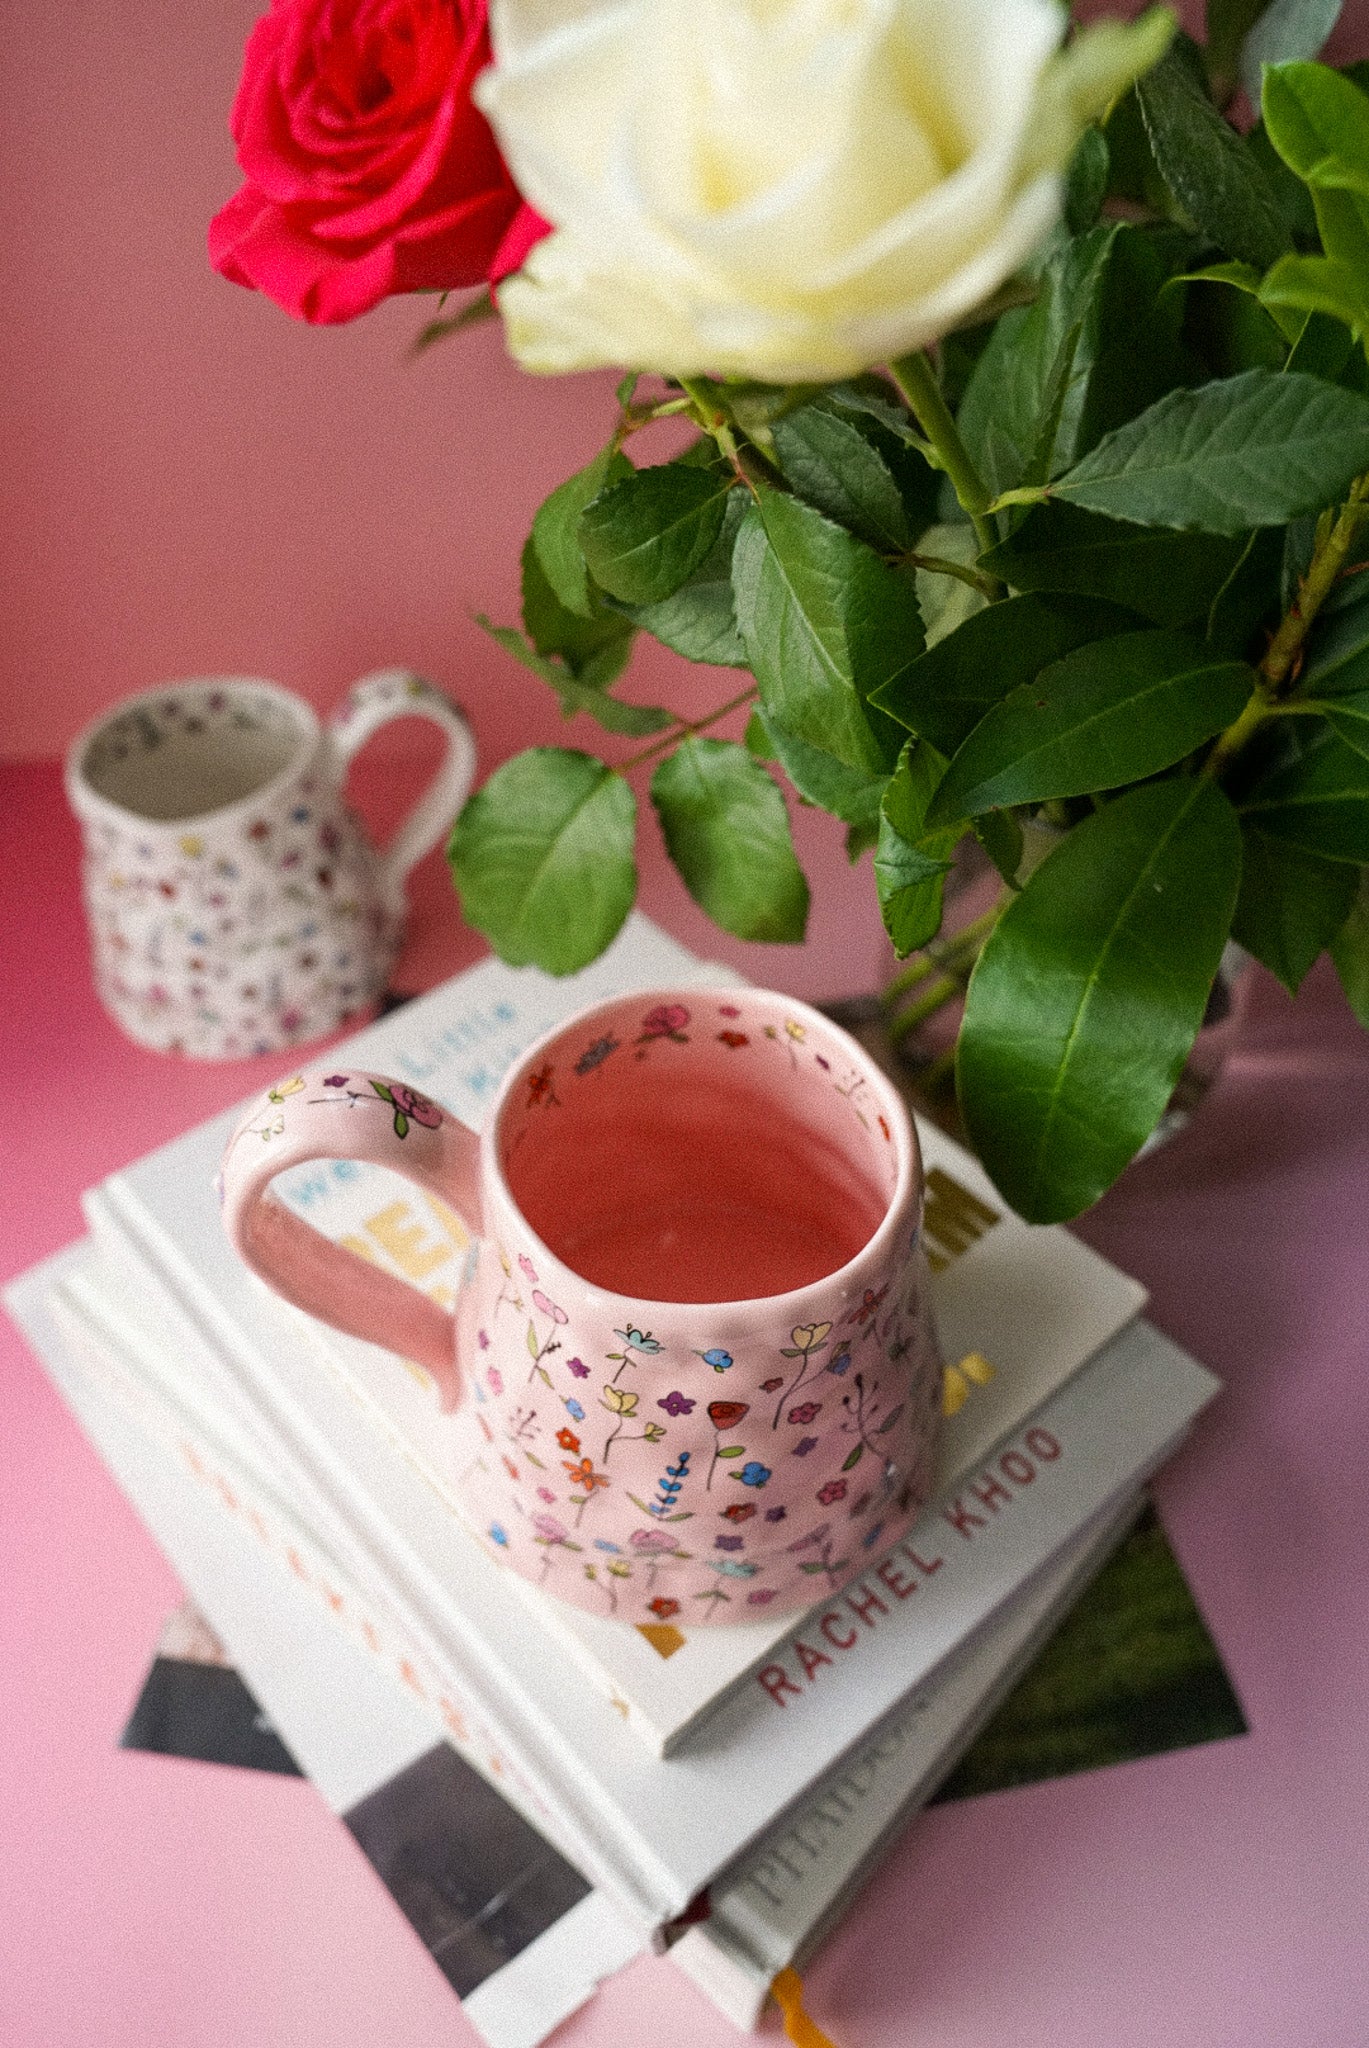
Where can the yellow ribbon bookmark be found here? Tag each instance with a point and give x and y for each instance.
(787, 1992)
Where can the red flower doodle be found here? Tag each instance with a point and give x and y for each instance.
(740, 1511)
(567, 1440)
(834, 1490)
(724, 1414)
(663, 1608)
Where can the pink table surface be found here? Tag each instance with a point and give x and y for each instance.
(1208, 1898)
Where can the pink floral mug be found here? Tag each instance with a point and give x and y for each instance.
(695, 1333)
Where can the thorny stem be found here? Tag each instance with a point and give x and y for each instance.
(683, 730)
(916, 379)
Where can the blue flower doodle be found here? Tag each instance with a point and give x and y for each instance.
(499, 1534)
(753, 1473)
(719, 1360)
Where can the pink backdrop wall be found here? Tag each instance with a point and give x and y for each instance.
(195, 484)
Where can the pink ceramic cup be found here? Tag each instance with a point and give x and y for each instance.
(696, 1327)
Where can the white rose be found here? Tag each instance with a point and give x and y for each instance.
(783, 189)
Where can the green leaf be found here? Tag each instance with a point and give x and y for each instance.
(553, 630)
(1090, 990)
(1107, 714)
(1168, 578)
(1349, 716)
(1318, 122)
(1338, 648)
(583, 692)
(1098, 344)
(555, 530)
(699, 620)
(733, 1451)
(1291, 904)
(481, 307)
(1319, 802)
(1086, 181)
(851, 794)
(643, 537)
(542, 856)
(727, 830)
(1320, 284)
(853, 1458)
(836, 467)
(910, 863)
(1000, 835)
(1208, 168)
(946, 691)
(1350, 951)
(1249, 595)
(1322, 349)
(825, 623)
(1254, 450)
(947, 601)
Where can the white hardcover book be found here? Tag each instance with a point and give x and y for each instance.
(520, 1965)
(773, 1911)
(1024, 1306)
(651, 1834)
(361, 1735)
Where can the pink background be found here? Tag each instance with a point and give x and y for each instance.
(195, 485)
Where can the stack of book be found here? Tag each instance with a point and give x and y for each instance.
(718, 1792)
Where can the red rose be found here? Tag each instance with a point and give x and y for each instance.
(368, 169)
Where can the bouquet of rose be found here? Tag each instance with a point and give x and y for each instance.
(1029, 466)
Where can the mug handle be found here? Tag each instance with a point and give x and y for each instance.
(337, 1114)
(376, 700)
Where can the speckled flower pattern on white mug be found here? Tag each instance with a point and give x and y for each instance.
(235, 904)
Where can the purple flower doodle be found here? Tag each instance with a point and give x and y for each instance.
(676, 1403)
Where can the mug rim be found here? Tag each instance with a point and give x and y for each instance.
(88, 802)
(909, 1182)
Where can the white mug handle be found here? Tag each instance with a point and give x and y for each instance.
(397, 693)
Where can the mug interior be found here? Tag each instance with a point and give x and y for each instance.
(193, 749)
(703, 1146)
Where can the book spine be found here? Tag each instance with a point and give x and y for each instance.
(230, 1490)
(587, 1832)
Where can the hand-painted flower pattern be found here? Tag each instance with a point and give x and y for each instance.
(762, 1596)
(804, 1446)
(619, 1401)
(734, 1039)
(496, 1379)
(578, 1367)
(834, 1490)
(869, 1306)
(753, 1473)
(526, 1267)
(719, 1360)
(548, 1307)
(651, 1541)
(549, 1530)
(568, 1440)
(776, 1514)
(729, 1542)
(594, 1055)
(335, 1080)
(727, 1414)
(585, 1475)
(841, 1364)
(639, 1340)
(663, 1608)
(807, 1411)
(499, 1534)
(772, 1386)
(667, 1020)
(575, 1409)
(809, 1336)
(676, 1403)
(740, 1511)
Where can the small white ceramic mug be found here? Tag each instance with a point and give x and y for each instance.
(235, 904)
